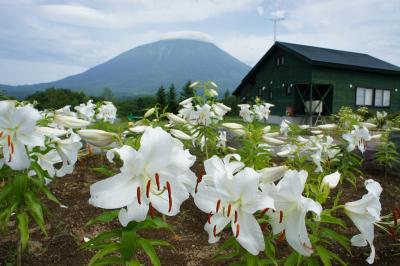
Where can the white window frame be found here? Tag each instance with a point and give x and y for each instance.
(362, 92)
(384, 98)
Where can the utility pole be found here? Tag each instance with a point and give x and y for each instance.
(275, 20)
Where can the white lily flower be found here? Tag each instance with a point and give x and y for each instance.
(304, 127)
(357, 138)
(68, 150)
(107, 112)
(291, 209)
(138, 129)
(287, 150)
(331, 180)
(364, 213)
(246, 113)
(272, 174)
(221, 139)
(231, 195)
(157, 176)
(316, 132)
(284, 127)
(180, 134)
(381, 115)
(232, 125)
(377, 136)
(220, 110)
(86, 111)
(48, 160)
(17, 130)
(66, 111)
(70, 121)
(96, 137)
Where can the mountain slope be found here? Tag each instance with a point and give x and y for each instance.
(143, 69)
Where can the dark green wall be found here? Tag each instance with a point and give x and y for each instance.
(293, 71)
(297, 71)
(343, 95)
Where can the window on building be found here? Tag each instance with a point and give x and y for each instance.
(382, 98)
(364, 96)
(280, 60)
(288, 90)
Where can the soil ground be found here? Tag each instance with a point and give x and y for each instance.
(66, 227)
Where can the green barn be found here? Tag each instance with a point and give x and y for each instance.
(304, 81)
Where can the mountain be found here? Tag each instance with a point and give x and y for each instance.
(143, 69)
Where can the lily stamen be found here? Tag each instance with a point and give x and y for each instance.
(280, 216)
(209, 218)
(237, 230)
(229, 210)
(218, 205)
(148, 188)
(157, 177)
(138, 194)
(215, 231)
(151, 210)
(169, 196)
(236, 217)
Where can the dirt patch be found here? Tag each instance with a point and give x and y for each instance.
(66, 226)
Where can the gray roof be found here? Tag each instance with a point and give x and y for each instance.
(343, 58)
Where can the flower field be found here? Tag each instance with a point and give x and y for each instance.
(196, 187)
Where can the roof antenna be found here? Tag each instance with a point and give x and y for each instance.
(277, 16)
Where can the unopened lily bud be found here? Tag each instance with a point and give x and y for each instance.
(316, 132)
(271, 140)
(377, 136)
(176, 119)
(272, 174)
(51, 132)
(239, 132)
(70, 121)
(193, 84)
(367, 125)
(213, 84)
(232, 125)
(96, 137)
(272, 134)
(138, 129)
(267, 129)
(180, 134)
(149, 112)
(331, 180)
(213, 93)
(327, 126)
(188, 100)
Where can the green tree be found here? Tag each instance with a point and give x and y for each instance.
(161, 97)
(172, 104)
(186, 92)
(54, 98)
(107, 95)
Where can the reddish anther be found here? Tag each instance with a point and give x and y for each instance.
(12, 148)
(157, 176)
(282, 236)
(236, 217)
(229, 210)
(215, 231)
(138, 194)
(237, 230)
(151, 210)
(169, 196)
(280, 217)
(218, 205)
(148, 188)
(9, 140)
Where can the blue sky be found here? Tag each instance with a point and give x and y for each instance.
(43, 40)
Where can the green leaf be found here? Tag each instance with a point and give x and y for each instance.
(341, 239)
(99, 240)
(110, 261)
(50, 195)
(326, 218)
(128, 244)
(104, 217)
(103, 171)
(251, 260)
(104, 251)
(324, 255)
(5, 191)
(20, 183)
(156, 242)
(23, 221)
(35, 209)
(150, 251)
(292, 259)
(227, 244)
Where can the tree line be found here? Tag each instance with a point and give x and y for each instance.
(166, 97)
